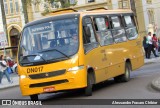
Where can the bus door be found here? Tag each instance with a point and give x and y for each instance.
(93, 52)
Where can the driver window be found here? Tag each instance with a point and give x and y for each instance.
(89, 39)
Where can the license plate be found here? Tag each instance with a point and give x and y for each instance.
(49, 89)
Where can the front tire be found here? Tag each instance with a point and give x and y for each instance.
(88, 89)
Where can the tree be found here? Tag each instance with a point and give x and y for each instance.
(25, 3)
(64, 3)
(47, 5)
(4, 18)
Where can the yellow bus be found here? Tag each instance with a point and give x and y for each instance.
(73, 50)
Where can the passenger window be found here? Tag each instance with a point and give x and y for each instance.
(101, 24)
(103, 32)
(115, 22)
(117, 29)
(128, 21)
(130, 27)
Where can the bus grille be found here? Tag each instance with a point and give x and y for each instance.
(48, 83)
(47, 74)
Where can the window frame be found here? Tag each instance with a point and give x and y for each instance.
(83, 33)
(6, 7)
(105, 16)
(133, 21)
(11, 2)
(17, 9)
(90, 1)
(118, 28)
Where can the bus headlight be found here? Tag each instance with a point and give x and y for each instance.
(23, 76)
(76, 68)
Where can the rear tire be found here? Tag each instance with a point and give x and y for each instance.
(126, 76)
(88, 89)
(34, 97)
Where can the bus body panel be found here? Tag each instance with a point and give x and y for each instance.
(107, 62)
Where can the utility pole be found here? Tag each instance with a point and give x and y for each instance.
(4, 23)
(4, 19)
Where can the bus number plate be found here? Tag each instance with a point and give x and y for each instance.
(49, 89)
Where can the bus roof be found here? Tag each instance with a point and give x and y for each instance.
(71, 14)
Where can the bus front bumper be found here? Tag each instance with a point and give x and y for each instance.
(68, 81)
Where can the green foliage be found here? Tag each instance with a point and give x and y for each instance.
(48, 3)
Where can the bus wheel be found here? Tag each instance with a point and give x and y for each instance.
(88, 89)
(34, 97)
(126, 76)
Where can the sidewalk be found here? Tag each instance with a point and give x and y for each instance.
(155, 84)
(6, 84)
(15, 77)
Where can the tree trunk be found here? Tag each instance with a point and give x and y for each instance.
(24, 6)
(4, 19)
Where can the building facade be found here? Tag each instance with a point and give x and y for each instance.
(146, 12)
(151, 14)
(14, 21)
(2, 33)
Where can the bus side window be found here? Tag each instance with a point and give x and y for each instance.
(130, 27)
(118, 29)
(89, 39)
(103, 32)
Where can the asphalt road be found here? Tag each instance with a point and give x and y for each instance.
(139, 87)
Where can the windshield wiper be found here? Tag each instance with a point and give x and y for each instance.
(57, 51)
(33, 55)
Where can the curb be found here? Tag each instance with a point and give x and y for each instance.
(9, 87)
(155, 84)
(148, 62)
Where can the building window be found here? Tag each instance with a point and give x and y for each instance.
(11, 6)
(149, 1)
(36, 7)
(90, 1)
(72, 2)
(151, 16)
(125, 4)
(16, 6)
(6, 7)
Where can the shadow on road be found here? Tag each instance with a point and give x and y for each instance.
(76, 94)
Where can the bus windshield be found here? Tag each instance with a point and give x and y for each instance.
(49, 42)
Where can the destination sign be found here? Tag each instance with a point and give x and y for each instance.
(41, 28)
